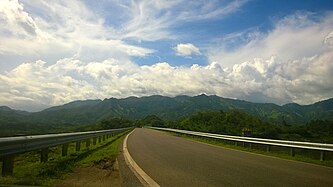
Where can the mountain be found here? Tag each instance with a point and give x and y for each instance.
(74, 105)
(318, 110)
(167, 108)
(8, 115)
(76, 112)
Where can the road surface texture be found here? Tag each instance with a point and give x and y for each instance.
(175, 161)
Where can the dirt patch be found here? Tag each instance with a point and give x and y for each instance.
(105, 164)
(104, 173)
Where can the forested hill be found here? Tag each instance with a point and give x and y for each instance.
(167, 108)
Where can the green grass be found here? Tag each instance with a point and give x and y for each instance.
(28, 170)
(309, 156)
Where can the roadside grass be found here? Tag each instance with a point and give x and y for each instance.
(308, 156)
(28, 170)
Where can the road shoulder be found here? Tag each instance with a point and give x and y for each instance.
(127, 177)
(106, 174)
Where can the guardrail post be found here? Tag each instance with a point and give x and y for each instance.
(250, 145)
(99, 139)
(103, 138)
(88, 142)
(44, 155)
(94, 140)
(268, 148)
(64, 149)
(78, 145)
(236, 144)
(292, 152)
(322, 155)
(7, 165)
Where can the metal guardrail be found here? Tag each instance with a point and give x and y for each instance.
(268, 142)
(10, 146)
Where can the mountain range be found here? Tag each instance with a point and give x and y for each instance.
(168, 108)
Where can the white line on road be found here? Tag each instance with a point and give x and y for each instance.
(143, 177)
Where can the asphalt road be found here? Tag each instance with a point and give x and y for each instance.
(175, 161)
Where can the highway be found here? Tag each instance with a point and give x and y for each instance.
(175, 161)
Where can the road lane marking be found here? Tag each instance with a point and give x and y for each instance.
(143, 177)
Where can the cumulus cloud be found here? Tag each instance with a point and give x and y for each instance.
(290, 63)
(186, 50)
(304, 80)
(85, 58)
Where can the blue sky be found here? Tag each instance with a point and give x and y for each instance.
(256, 14)
(53, 52)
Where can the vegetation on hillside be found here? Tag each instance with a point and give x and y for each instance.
(237, 122)
(110, 123)
(82, 113)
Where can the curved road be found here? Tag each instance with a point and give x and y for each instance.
(174, 161)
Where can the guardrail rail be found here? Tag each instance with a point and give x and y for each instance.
(10, 146)
(321, 147)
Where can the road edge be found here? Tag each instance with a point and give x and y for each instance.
(143, 177)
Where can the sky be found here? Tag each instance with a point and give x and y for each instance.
(55, 52)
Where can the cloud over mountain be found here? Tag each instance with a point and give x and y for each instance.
(53, 52)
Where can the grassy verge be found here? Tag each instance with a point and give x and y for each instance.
(308, 156)
(28, 170)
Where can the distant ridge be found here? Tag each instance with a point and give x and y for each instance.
(75, 104)
(169, 108)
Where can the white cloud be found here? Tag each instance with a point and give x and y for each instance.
(296, 36)
(152, 20)
(53, 30)
(291, 63)
(74, 42)
(304, 80)
(186, 50)
(209, 9)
